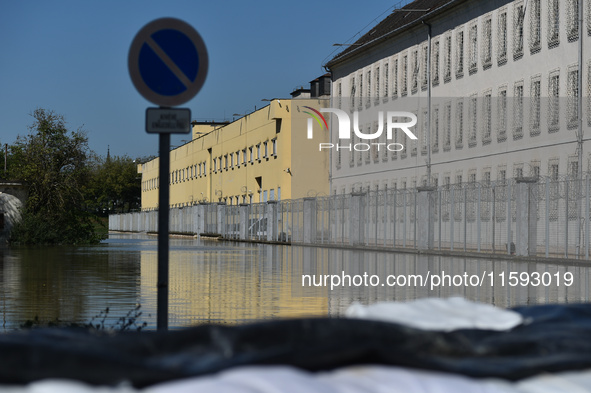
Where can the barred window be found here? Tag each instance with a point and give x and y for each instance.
(487, 43)
(572, 23)
(375, 147)
(377, 84)
(554, 188)
(518, 17)
(415, 72)
(487, 118)
(447, 59)
(572, 95)
(435, 130)
(447, 126)
(459, 54)
(369, 91)
(340, 95)
(473, 49)
(518, 111)
(424, 67)
(386, 79)
(352, 98)
(502, 38)
(360, 104)
(404, 76)
(553, 23)
(403, 141)
(425, 130)
(395, 78)
(553, 101)
(459, 124)
(473, 120)
(535, 26)
(536, 91)
(435, 64)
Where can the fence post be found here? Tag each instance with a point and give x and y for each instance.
(271, 220)
(356, 216)
(309, 235)
(426, 208)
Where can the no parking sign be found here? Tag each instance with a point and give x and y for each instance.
(168, 62)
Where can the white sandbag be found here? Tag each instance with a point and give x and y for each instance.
(439, 314)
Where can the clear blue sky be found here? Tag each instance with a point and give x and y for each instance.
(71, 57)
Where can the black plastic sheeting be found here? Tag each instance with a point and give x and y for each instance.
(554, 338)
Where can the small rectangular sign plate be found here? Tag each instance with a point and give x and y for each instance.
(168, 120)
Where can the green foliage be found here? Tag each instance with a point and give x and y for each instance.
(114, 185)
(53, 162)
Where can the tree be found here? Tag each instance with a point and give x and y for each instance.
(53, 162)
(115, 185)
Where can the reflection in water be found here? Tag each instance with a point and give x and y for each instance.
(222, 282)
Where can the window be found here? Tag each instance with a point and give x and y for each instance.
(535, 26)
(447, 59)
(377, 84)
(244, 156)
(518, 18)
(404, 76)
(487, 118)
(232, 160)
(215, 167)
(459, 124)
(554, 188)
(518, 111)
(435, 130)
(435, 64)
(553, 101)
(274, 143)
(250, 154)
(360, 104)
(487, 44)
(502, 115)
(204, 169)
(238, 158)
(572, 95)
(447, 127)
(414, 66)
(369, 93)
(226, 162)
(473, 49)
(352, 97)
(425, 131)
(536, 91)
(572, 23)
(266, 149)
(502, 38)
(386, 79)
(473, 119)
(424, 67)
(259, 152)
(459, 54)
(553, 23)
(395, 78)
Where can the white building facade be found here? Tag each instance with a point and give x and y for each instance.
(494, 86)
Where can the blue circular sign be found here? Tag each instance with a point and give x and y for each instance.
(168, 62)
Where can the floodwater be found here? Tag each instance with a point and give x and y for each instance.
(229, 283)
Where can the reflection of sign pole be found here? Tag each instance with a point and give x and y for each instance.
(168, 64)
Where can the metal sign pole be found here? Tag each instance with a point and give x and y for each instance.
(163, 214)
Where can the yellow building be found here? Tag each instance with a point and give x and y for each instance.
(262, 156)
